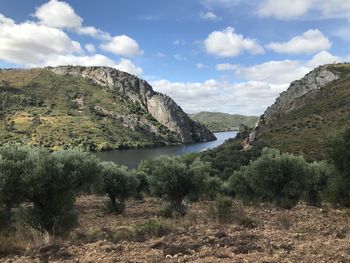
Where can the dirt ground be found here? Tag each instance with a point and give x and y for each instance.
(254, 234)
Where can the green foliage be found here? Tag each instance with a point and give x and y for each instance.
(229, 157)
(274, 177)
(118, 185)
(223, 209)
(142, 186)
(47, 181)
(339, 154)
(217, 121)
(173, 180)
(213, 187)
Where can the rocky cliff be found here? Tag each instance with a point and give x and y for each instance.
(161, 107)
(309, 111)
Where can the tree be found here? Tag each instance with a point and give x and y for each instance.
(117, 184)
(173, 181)
(274, 177)
(339, 154)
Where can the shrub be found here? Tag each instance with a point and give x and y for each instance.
(222, 209)
(274, 177)
(339, 155)
(319, 175)
(173, 180)
(12, 167)
(142, 186)
(213, 187)
(52, 182)
(118, 185)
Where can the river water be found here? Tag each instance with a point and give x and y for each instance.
(132, 157)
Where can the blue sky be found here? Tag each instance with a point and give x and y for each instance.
(232, 56)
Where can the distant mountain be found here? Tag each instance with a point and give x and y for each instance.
(217, 121)
(312, 109)
(96, 108)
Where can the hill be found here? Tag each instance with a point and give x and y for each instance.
(308, 113)
(95, 108)
(217, 121)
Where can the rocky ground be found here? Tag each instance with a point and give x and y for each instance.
(254, 234)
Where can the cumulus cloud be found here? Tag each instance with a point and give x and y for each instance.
(90, 48)
(250, 97)
(123, 45)
(309, 42)
(322, 58)
(210, 16)
(284, 9)
(225, 67)
(227, 43)
(28, 42)
(93, 60)
(275, 72)
(58, 14)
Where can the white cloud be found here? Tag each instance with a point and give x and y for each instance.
(227, 43)
(127, 66)
(180, 57)
(200, 66)
(90, 48)
(323, 58)
(161, 55)
(275, 72)
(29, 43)
(250, 97)
(58, 14)
(123, 45)
(93, 32)
(94, 60)
(210, 16)
(284, 9)
(179, 42)
(226, 67)
(309, 42)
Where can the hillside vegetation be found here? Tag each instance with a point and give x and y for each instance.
(217, 121)
(40, 107)
(319, 114)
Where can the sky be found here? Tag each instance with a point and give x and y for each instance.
(233, 56)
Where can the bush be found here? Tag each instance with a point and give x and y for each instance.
(118, 185)
(142, 186)
(274, 177)
(52, 182)
(319, 175)
(173, 180)
(339, 155)
(12, 168)
(222, 209)
(213, 187)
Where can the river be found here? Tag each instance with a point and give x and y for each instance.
(132, 157)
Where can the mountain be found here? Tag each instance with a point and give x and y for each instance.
(97, 108)
(217, 121)
(308, 112)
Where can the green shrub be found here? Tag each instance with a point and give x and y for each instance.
(339, 154)
(173, 181)
(118, 185)
(142, 186)
(223, 209)
(319, 175)
(274, 177)
(213, 187)
(12, 168)
(52, 182)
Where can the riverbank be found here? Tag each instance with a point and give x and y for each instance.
(261, 233)
(132, 157)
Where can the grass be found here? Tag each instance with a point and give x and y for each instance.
(42, 108)
(305, 130)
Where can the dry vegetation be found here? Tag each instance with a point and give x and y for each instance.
(252, 234)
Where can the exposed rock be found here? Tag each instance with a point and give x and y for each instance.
(291, 99)
(161, 107)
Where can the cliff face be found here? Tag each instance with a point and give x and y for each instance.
(292, 98)
(309, 111)
(161, 107)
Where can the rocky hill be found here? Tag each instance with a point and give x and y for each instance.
(308, 112)
(97, 108)
(218, 121)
